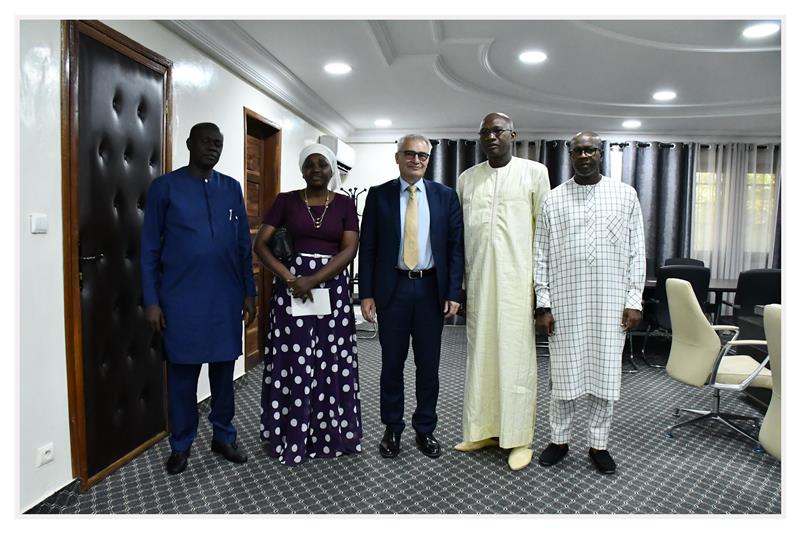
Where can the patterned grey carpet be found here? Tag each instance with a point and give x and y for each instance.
(702, 470)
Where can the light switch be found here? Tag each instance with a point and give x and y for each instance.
(38, 223)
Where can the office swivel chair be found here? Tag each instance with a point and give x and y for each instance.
(683, 261)
(760, 286)
(656, 318)
(697, 358)
(770, 434)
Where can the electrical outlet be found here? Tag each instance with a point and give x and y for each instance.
(44, 454)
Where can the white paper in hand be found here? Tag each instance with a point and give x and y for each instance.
(320, 306)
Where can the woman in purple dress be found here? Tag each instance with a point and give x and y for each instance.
(309, 396)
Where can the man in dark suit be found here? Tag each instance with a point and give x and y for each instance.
(410, 268)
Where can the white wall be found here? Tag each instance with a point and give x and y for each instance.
(374, 165)
(43, 415)
(203, 91)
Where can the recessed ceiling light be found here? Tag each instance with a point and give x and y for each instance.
(763, 29)
(383, 123)
(337, 68)
(631, 124)
(533, 56)
(663, 96)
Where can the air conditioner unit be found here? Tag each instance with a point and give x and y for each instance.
(345, 155)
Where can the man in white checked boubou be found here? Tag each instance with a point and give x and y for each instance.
(590, 271)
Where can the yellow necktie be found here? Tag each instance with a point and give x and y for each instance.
(410, 244)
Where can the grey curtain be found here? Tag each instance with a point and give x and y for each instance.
(450, 157)
(527, 149)
(555, 156)
(662, 174)
(776, 245)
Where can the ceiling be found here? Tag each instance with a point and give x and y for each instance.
(440, 77)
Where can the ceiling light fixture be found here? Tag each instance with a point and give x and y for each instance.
(664, 96)
(533, 56)
(763, 29)
(630, 124)
(383, 123)
(337, 68)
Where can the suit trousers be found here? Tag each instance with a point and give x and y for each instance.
(182, 398)
(413, 313)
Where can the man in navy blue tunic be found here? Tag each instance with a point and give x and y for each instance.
(198, 286)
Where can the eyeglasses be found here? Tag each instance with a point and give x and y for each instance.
(588, 150)
(411, 154)
(497, 132)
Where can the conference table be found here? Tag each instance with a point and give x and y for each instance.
(717, 286)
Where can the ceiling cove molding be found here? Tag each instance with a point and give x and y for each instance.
(484, 60)
(668, 46)
(380, 34)
(381, 136)
(453, 81)
(412, 58)
(437, 31)
(438, 34)
(234, 48)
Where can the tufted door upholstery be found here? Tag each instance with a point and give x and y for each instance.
(121, 135)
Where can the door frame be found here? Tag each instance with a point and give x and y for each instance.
(70, 34)
(274, 186)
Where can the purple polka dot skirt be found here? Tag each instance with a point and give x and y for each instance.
(309, 395)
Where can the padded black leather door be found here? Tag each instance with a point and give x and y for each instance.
(121, 135)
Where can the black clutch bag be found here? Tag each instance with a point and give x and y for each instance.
(281, 245)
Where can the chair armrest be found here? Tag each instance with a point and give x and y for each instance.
(745, 342)
(725, 328)
(724, 352)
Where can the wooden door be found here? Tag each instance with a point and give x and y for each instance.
(262, 184)
(116, 141)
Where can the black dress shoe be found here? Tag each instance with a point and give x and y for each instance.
(602, 461)
(553, 454)
(428, 444)
(229, 451)
(390, 444)
(177, 462)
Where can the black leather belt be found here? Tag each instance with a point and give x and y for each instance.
(416, 274)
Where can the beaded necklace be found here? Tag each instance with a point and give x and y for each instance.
(317, 221)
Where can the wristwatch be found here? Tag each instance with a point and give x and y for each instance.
(540, 311)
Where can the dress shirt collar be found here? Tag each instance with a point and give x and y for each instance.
(404, 185)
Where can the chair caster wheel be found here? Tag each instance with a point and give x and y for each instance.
(677, 413)
(668, 434)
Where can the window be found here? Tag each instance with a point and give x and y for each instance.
(761, 202)
(735, 203)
